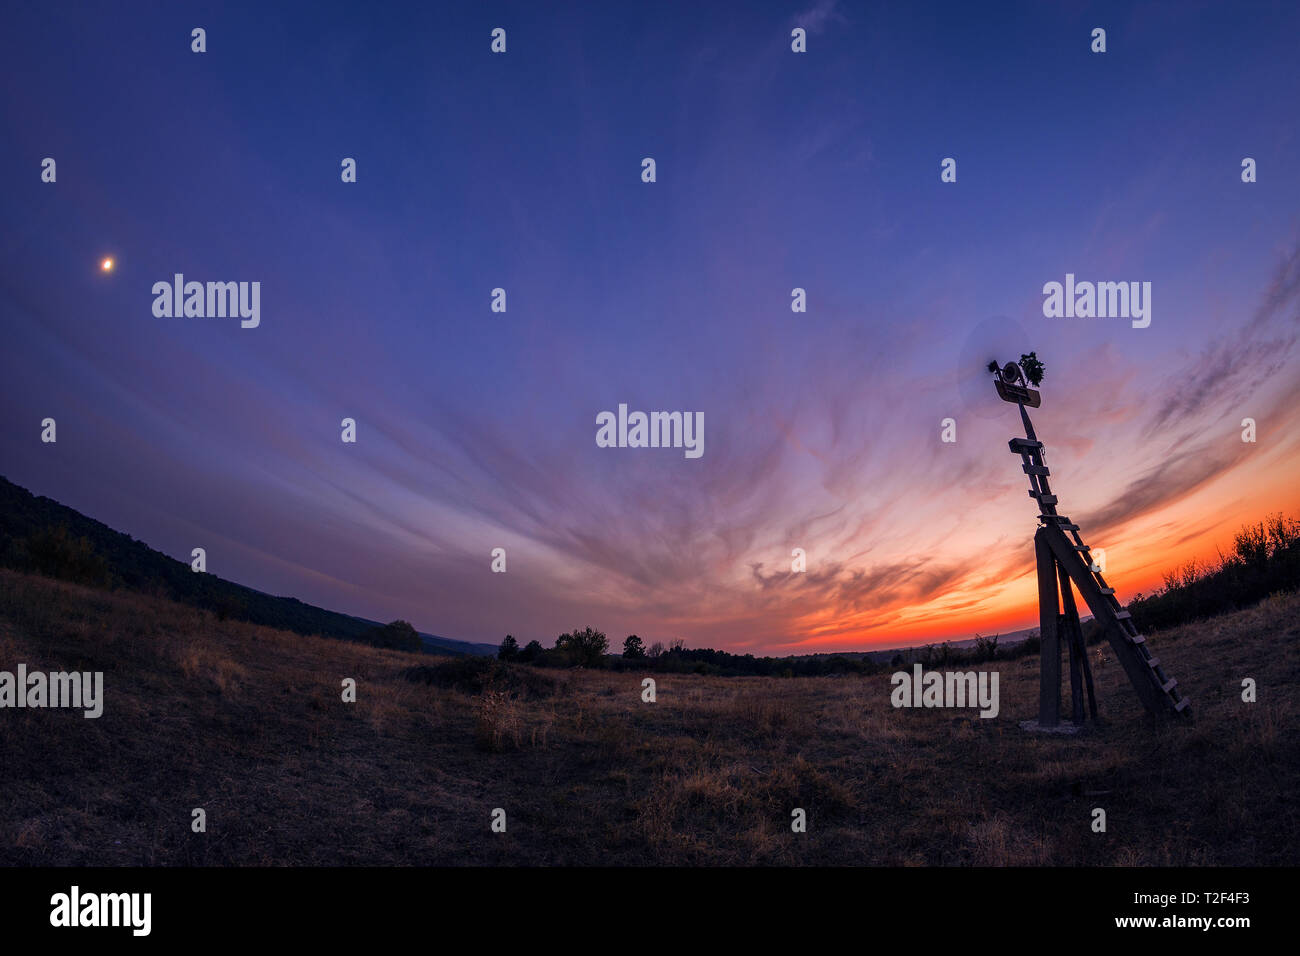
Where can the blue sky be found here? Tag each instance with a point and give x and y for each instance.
(774, 170)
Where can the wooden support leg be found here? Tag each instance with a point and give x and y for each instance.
(1073, 634)
(1049, 676)
(1076, 676)
(1087, 676)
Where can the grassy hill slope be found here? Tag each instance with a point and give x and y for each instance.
(248, 723)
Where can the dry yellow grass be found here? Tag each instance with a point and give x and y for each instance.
(249, 724)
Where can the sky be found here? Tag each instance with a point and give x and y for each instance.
(774, 170)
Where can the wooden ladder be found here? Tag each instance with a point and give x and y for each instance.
(1158, 691)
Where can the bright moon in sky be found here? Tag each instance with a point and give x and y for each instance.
(106, 265)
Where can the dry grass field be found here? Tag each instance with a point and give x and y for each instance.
(248, 723)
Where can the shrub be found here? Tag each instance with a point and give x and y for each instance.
(986, 648)
(57, 554)
(228, 606)
(474, 675)
(397, 635)
(496, 720)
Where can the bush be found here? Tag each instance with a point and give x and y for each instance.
(227, 606)
(496, 721)
(475, 675)
(57, 554)
(397, 635)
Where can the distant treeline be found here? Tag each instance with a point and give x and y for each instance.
(589, 648)
(1265, 559)
(41, 536)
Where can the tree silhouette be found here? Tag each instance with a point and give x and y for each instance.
(585, 648)
(509, 649)
(633, 647)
